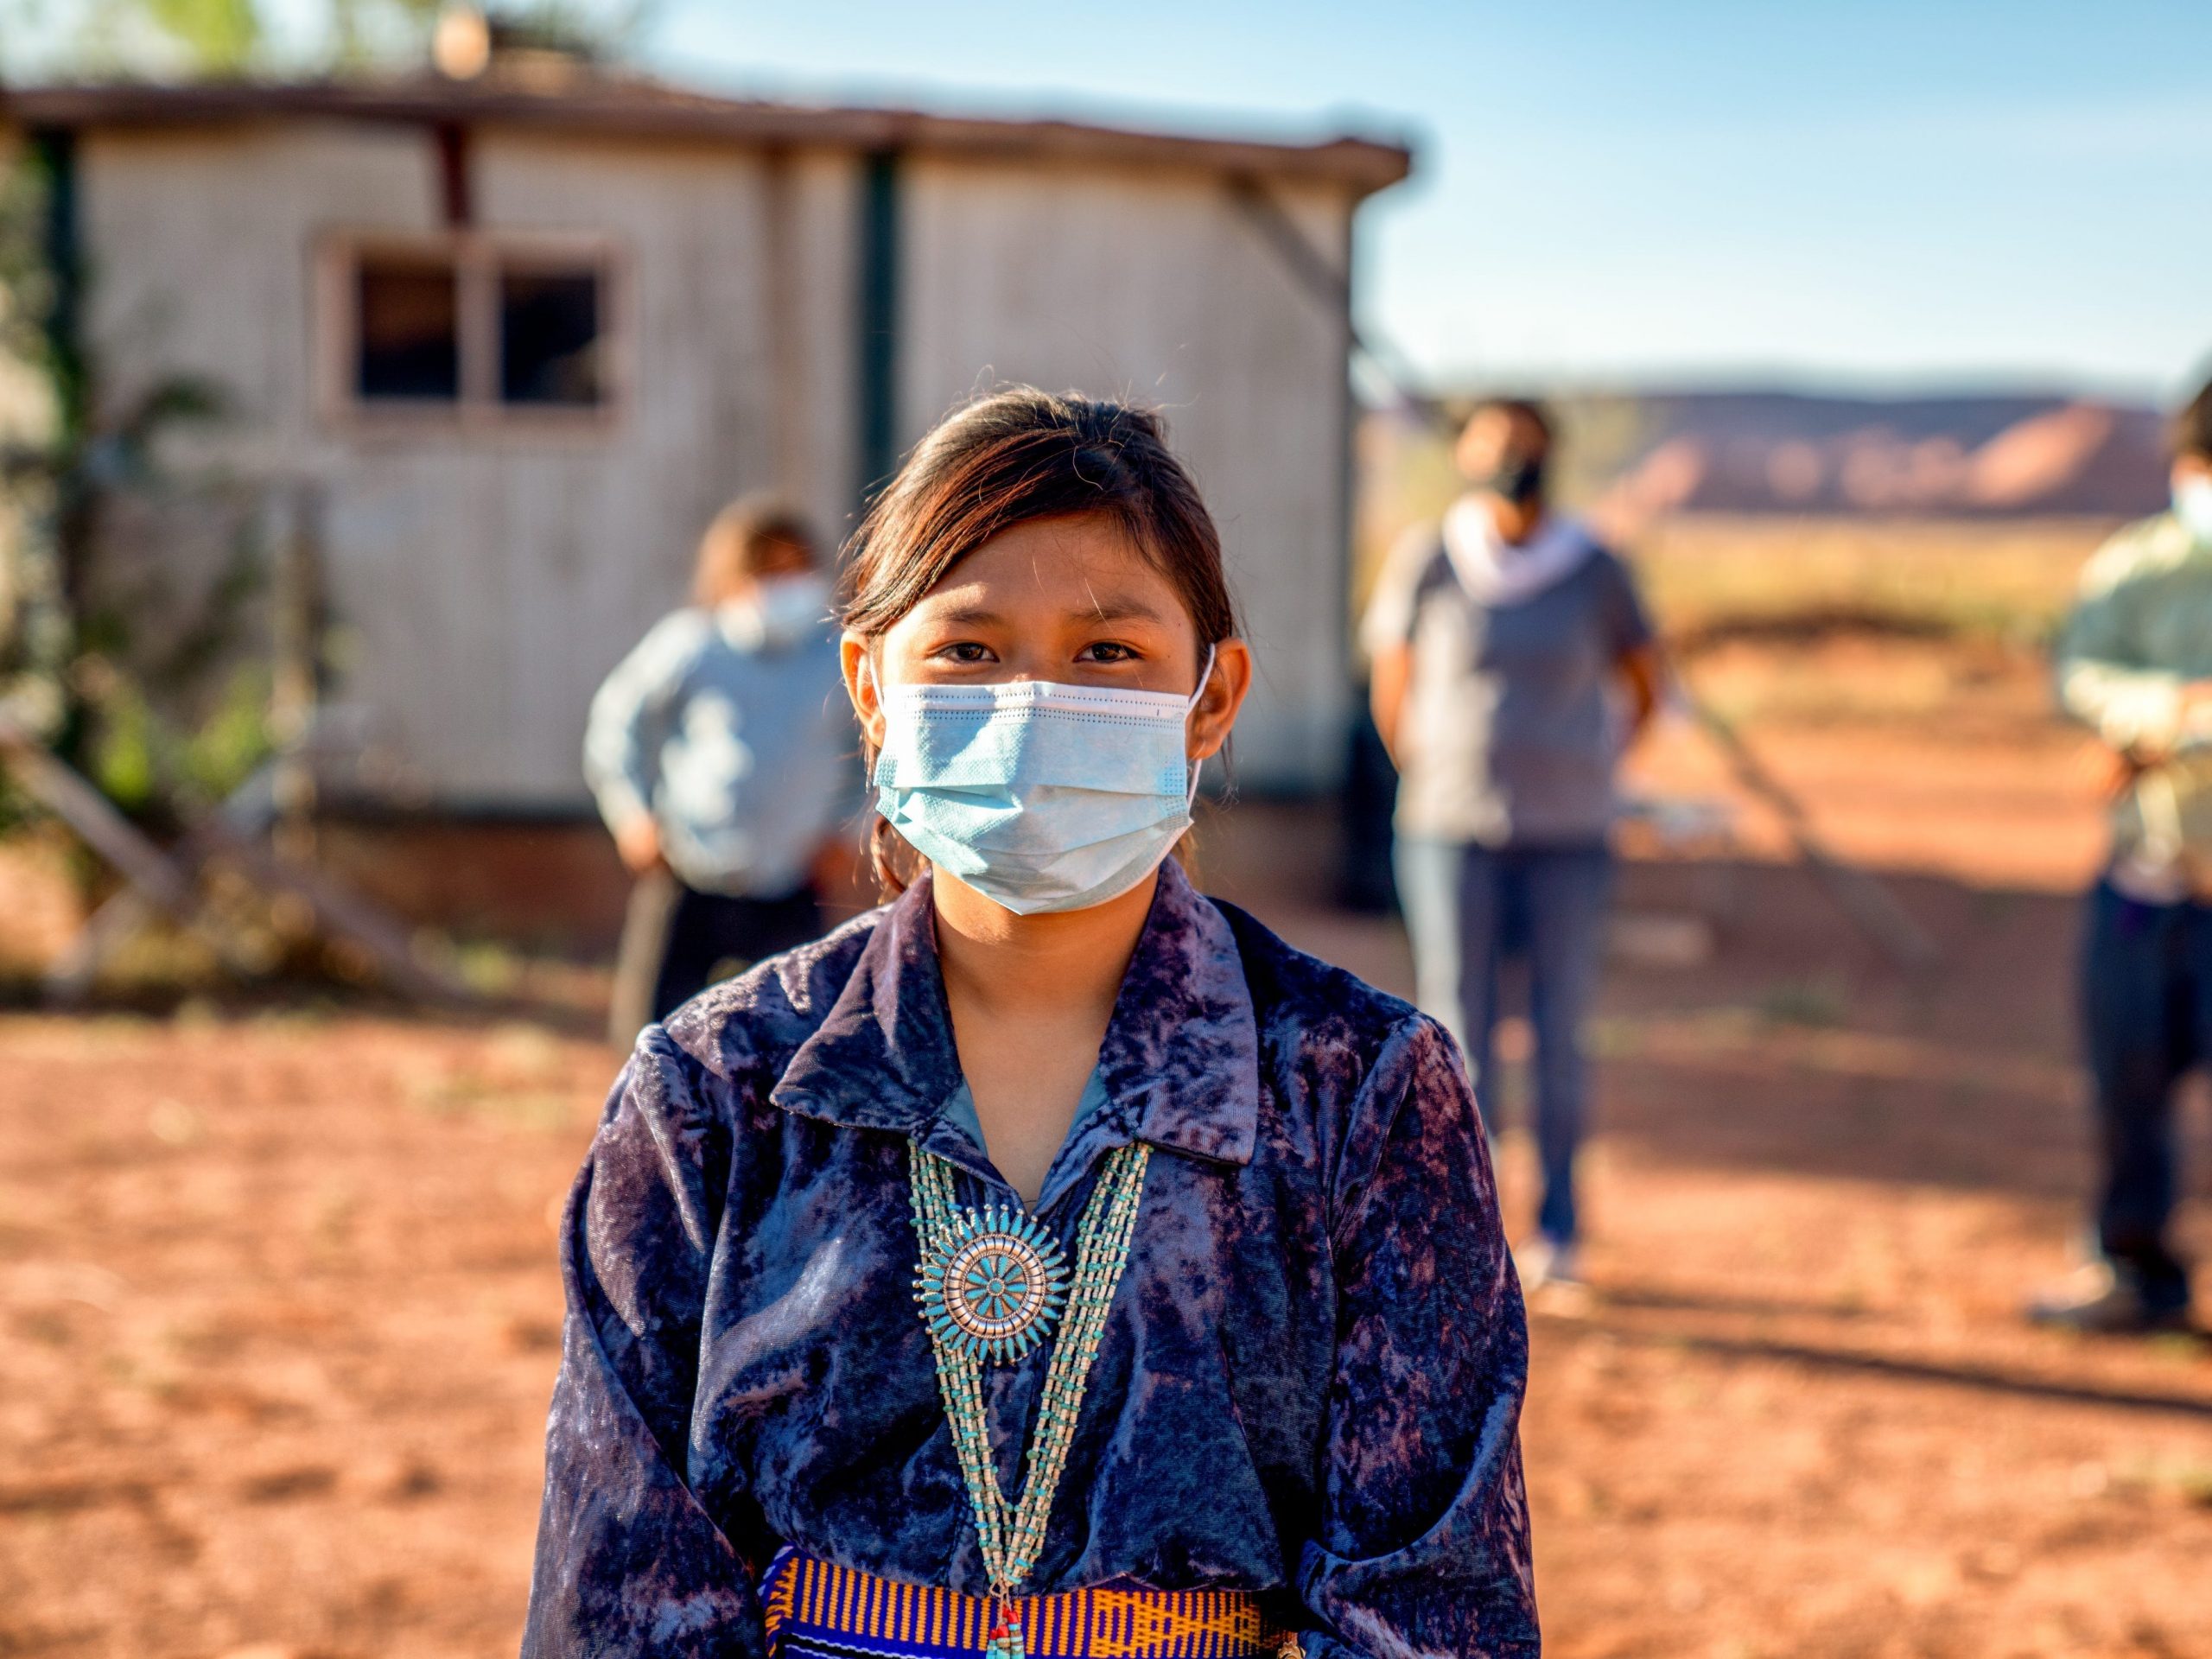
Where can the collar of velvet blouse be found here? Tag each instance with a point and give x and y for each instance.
(1180, 1063)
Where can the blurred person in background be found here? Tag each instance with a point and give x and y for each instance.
(724, 758)
(1513, 662)
(2135, 666)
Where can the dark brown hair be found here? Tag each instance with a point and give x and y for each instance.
(2192, 427)
(1520, 408)
(740, 533)
(1011, 457)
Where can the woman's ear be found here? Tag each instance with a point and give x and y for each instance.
(861, 686)
(1220, 698)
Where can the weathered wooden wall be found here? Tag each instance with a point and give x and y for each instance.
(485, 582)
(1151, 284)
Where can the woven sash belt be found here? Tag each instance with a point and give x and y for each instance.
(816, 1611)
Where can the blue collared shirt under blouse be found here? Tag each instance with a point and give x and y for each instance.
(1309, 1387)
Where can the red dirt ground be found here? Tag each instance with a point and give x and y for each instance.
(279, 1308)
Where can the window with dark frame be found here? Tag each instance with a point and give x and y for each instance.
(474, 326)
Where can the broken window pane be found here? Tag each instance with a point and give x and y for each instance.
(549, 337)
(409, 309)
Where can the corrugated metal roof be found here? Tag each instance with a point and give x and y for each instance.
(576, 98)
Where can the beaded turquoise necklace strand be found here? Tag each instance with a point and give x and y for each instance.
(992, 1284)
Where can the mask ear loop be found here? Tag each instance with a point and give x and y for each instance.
(1199, 766)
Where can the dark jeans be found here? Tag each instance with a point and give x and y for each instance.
(2146, 1002)
(1470, 911)
(677, 941)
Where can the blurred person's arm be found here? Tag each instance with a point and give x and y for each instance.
(629, 1561)
(637, 841)
(1645, 676)
(1386, 630)
(1421, 1544)
(1388, 676)
(1633, 643)
(2106, 678)
(628, 713)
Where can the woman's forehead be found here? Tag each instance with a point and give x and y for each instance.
(1085, 564)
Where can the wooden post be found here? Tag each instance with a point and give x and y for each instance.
(295, 601)
(169, 887)
(85, 810)
(876, 343)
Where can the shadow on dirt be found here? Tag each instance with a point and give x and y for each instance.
(1793, 1046)
(1820, 1357)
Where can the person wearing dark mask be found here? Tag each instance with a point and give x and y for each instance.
(1512, 664)
(727, 767)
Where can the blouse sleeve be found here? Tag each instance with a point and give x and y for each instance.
(629, 1563)
(1423, 1547)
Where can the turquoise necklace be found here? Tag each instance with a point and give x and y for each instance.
(992, 1285)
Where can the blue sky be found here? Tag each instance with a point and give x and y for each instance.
(1866, 192)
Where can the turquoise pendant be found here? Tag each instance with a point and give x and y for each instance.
(993, 1288)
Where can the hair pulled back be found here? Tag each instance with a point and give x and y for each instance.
(2192, 426)
(1010, 457)
(735, 544)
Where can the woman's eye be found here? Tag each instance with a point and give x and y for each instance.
(963, 652)
(1106, 651)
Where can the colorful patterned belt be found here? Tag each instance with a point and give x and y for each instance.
(816, 1611)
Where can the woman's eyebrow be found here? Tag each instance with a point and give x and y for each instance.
(1116, 607)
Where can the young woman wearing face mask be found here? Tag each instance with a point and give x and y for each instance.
(720, 755)
(1052, 1262)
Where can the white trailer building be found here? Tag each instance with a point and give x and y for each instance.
(522, 335)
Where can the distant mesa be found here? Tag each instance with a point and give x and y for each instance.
(1756, 452)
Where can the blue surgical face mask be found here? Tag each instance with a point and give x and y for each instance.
(792, 607)
(1040, 796)
(2193, 507)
